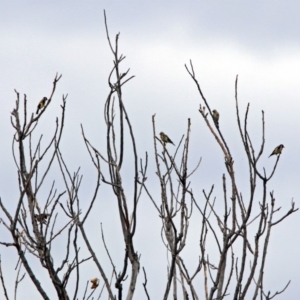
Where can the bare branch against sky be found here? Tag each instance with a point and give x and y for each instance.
(168, 170)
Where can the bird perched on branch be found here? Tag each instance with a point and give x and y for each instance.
(42, 218)
(216, 116)
(165, 139)
(277, 150)
(41, 104)
(95, 283)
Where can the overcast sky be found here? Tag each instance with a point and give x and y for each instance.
(258, 40)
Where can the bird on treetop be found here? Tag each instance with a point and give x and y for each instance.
(216, 117)
(277, 150)
(41, 104)
(165, 139)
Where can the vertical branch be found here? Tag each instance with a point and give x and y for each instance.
(2, 281)
(114, 162)
(265, 247)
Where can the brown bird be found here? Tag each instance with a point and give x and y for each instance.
(165, 139)
(277, 150)
(95, 282)
(42, 218)
(216, 116)
(41, 104)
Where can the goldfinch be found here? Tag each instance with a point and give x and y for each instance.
(216, 116)
(95, 283)
(165, 139)
(277, 150)
(42, 218)
(41, 104)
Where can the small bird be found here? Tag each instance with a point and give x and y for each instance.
(42, 218)
(41, 104)
(277, 150)
(216, 116)
(165, 138)
(95, 283)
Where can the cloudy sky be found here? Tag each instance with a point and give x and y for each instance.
(257, 40)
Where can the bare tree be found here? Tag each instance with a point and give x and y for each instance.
(114, 161)
(29, 225)
(33, 223)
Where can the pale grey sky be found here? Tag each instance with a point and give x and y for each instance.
(258, 40)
